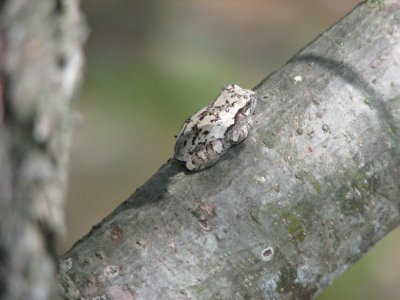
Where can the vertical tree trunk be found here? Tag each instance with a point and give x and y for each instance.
(40, 61)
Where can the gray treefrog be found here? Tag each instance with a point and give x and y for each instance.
(207, 135)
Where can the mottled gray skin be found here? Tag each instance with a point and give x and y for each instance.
(212, 131)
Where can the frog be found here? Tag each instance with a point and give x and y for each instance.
(208, 134)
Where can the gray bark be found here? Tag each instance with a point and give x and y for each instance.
(314, 186)
(40, 60)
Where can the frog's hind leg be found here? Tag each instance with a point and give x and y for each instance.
(206, 155)
(238, 132)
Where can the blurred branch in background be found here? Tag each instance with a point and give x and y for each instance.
(41, 61)
(320, 208)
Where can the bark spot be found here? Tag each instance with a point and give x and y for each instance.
(326, 128)
(204, 213)
(59, 7)
(111, 271)
(267, 253)
(121, 292)
(61, 61)
(116, 234)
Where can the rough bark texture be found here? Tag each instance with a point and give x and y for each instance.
(40, 60)
(317, 181)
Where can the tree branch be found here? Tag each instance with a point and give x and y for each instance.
(306, 195)
(40, 60)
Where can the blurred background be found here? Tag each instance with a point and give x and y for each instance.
(151, 64)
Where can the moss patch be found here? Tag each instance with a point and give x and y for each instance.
(358, 179)
(314, 182)
(270, 139)
(355, 194)
(287, 280)
(393, 128)
(340, 42)
(197, 289)
(350, 202)
(307, 211)
(376, 4)
(369, 102)
(294, 227)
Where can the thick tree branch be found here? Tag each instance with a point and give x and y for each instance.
(311, 190)
(40, 60)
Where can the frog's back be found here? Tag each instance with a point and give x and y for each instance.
(211, 123)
